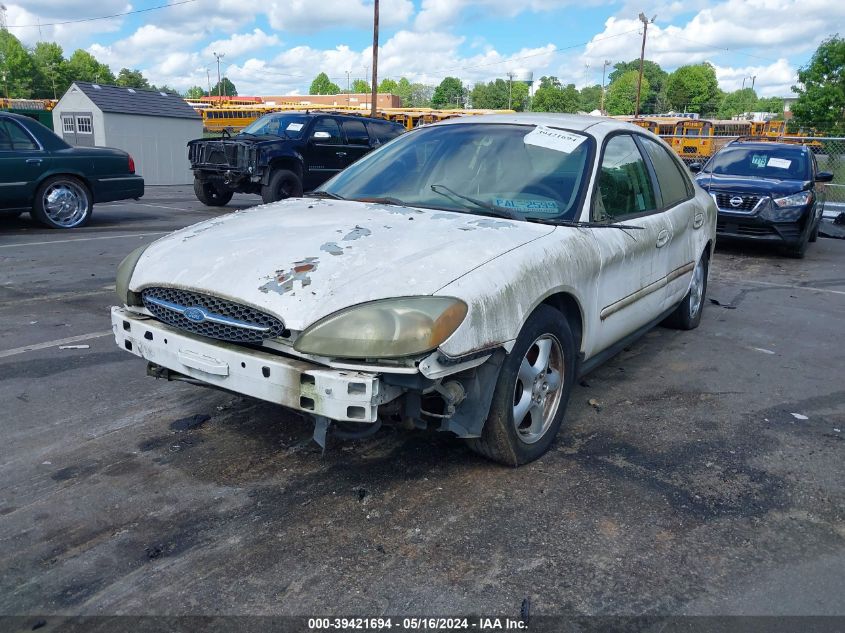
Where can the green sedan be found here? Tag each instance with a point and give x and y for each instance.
(56, 183)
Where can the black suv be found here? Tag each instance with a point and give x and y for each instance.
(283, 154)
(766, 192)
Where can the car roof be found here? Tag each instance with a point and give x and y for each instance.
(347, 115)
(766, 145)
(577, 122)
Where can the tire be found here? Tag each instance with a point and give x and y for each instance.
(514, 442)
(687, 314)
(283, 184)
(815, 233)
(63, 202)
(799, 250)
(210, 195)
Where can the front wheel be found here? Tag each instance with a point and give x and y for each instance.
(283, 184)
(63, 202)
(210, 195)
(532, 391)
(687, 315)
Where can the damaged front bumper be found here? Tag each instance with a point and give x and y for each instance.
(342, 395)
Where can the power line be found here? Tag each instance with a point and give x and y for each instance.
(102, 17)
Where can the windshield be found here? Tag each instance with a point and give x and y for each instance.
(781, 163)
(521, 170)
(290, 125)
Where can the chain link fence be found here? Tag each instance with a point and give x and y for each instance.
(829, 151)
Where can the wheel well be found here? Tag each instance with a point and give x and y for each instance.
(708, 248)
(78, 177)
(287, 163)
(567, 305)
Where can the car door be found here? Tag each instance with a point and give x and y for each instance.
(627, 294)
(22, 162)
(684, 220)
(357, 141)
(326, 153)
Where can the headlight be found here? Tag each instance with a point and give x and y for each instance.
(124, 274)
(795, 200)
(385, 329)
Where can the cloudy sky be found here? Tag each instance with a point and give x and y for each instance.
(277, 46)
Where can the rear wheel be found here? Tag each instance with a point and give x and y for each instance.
(687, 315)
(62, 202)
(283, 184)
(210, 195)
(532, 391)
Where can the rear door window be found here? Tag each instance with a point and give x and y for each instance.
(356, 133)
(326, 126)
(674, 186)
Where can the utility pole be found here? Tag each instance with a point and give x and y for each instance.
(510, 89)
(753, 79)
(374, 86)
(645, 22)
(219, 85)
(347, 88)
(208, 75)
(603, 71)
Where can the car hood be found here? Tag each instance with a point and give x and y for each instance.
(304, 259)
(743, 184)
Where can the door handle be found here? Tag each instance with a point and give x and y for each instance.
(33, 161)
(662, 238)
(340, 154)
(698, 221)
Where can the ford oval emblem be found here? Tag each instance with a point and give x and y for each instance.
(195, 314)
(736, 201)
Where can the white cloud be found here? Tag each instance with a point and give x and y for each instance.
(779, 78)
(309, 16)
(436, 14)
(242, 43)
(32, 23)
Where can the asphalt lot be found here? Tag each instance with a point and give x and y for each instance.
(706, 477)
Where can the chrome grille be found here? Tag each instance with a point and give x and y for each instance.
(723, 201)
(231, 322)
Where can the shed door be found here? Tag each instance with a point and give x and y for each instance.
(78, 128)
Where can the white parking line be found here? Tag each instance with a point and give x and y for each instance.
(794, 287)
(61, 296)
(62, 341)
(83, 239)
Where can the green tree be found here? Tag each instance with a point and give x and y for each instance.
(322, 85)
(650, 102)
(449, 94)
(360, 86)
(131, 79)
(225, 88)
(50, 80)
(166, 89)
(694, 88)
(195, 92)
(589, 98)
(737, 102)
(403, 90)
(499, 95)
(622, 93)
(387, 86)
(16, 67)
(821, 89)
(83, 66)
(552, 97)
(770, 104)
(420, 96)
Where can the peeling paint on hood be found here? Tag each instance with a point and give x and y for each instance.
(305, 259)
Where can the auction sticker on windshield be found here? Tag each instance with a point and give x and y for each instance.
(295, 127)
(556, 140)
(780, 163)
(521, 204)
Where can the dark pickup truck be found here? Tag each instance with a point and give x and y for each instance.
(283, 154)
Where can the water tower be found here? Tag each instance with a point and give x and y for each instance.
(519, 76)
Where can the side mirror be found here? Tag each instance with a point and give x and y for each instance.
(824, 176)
(695, 167)
(320, 136)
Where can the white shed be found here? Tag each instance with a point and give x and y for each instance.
(154, 127)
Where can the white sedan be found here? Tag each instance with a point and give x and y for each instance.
(461, 278)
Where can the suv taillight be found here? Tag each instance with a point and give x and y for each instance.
(131, 165)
